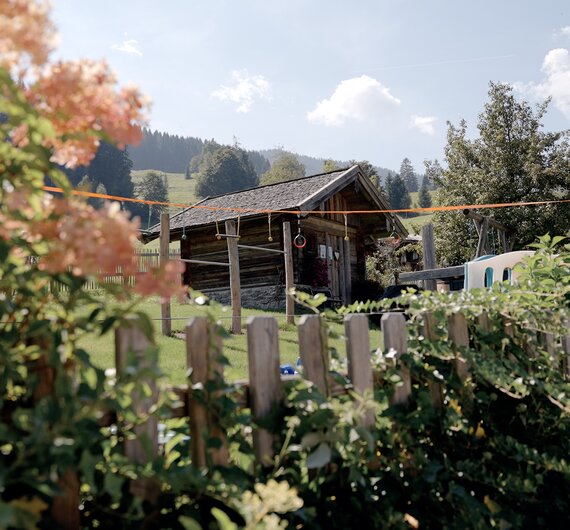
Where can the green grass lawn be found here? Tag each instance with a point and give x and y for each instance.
(173, 350)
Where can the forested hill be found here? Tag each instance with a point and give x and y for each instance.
(172, 153)
(314, 165)
(165, 152)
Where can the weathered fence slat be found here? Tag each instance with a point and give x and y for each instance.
(359, 358)
(395, 338)
(130, 339)
(459, 335)
(264, 379)
(235, 284)
(165, 308)
(314, 352)
(203, 349)
(430, 333)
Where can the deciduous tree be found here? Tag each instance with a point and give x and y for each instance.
(225, 170)
(286, 167)
(512, 160)
(153, 187)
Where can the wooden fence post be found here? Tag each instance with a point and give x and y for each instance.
(430, 333)
(289, 274)
(314, 352)
(130, 339)
(395, 338)
(203, 349)
(264, 379)
(164, 255)
(429, 260)
(359, 358)
(347, 271)
(459, 335)
(65, 507)
(235, 286)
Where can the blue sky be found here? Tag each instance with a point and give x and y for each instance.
(374, 80)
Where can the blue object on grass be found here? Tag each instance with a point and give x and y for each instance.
(287, 369)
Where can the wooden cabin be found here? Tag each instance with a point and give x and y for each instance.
(332, 260)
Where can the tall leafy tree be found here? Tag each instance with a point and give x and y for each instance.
(227, 169)
(512, 160)
(330, 165)
(153, 187)
(408, 175)
(369, 170)
(424, 197)
(286, 167)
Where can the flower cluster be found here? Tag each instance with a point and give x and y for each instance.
(80, 100)
(86, 242)
(26, 35)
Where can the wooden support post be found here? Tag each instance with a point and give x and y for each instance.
(235, 285)
(203, 350)
(164, 255)
(459, 335)
(314, 352)
(395, 338)
(547, 344)
(429, 259)
(347, 272)
(430, 333)
(342, 272)
(359, 359)
(264, 379)
(328, 244)
(131, 340)
(289, 279)
(566, 352)
(503, 238)
(483, 238)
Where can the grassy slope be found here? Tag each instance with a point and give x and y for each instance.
(173, 350)
(180, 191)
(414, 224)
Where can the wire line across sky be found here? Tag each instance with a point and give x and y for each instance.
(241, 210)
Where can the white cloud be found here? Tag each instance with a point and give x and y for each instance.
(556, 81)
(359, 98)
(424, 124)
(128, 46)
(244, 90)
(563, 32)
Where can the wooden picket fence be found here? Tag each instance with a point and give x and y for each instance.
(264, 387)
(146, 260)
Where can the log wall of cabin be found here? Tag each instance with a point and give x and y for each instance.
(256, 267)
(265, 268)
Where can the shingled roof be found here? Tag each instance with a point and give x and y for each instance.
(300, 194)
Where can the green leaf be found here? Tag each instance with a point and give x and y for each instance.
(320, 457)
(188, 523)
(223, 520)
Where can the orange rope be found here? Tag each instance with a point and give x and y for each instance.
(344, 212)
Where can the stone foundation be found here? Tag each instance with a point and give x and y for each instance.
(270, 297)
